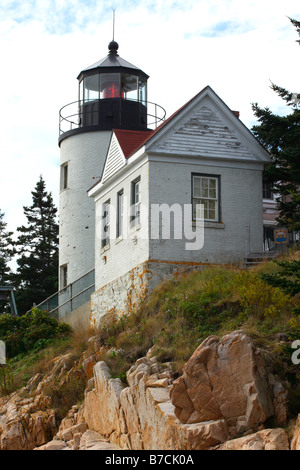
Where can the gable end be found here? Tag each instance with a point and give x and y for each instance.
(115, 159)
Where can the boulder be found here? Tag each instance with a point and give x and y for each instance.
(224, 379)
(150, 417)
(25, 423)
(267, 439)
(103, 411)
(295, 443)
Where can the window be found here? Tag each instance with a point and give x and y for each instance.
(135, 203)
(205, 190)
(120, 213)
(63, 276)
(267, 191)
(64, 176)
(105, 224)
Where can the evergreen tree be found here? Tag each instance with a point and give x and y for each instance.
(6, 251)
(280, 135)
(37, 272)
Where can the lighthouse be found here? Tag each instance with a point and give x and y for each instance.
(112, 94)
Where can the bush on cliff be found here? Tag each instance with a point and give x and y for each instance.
(31, 331)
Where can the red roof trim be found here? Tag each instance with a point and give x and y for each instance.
(130, 141)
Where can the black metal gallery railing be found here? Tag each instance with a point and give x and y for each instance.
(79, 114)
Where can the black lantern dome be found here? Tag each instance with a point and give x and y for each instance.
(112, 95)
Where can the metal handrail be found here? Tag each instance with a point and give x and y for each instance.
(159, 114)
(64, 290)
(70, 299)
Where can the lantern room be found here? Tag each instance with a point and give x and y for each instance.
(113, 94)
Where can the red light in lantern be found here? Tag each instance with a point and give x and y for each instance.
(112, 91)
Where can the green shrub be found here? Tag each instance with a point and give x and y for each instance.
(33, 330)
(287, 278)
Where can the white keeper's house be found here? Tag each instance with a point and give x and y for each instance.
(141, 203)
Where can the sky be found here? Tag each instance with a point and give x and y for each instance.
(237, 47)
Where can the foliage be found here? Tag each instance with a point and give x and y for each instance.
(37, 245)
(288, 278)
(6, 251)
(280, 135)
(33, 330)
(65, 394)
(182, 312)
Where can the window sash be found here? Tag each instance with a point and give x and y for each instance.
(206, 191)
(120, 214)
(106, 224)
(135, 203)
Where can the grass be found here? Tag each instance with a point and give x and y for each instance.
(182, 312)
(178, 316)
(24, 366)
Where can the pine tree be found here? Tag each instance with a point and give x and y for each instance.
(6, 251)
(280, 135)
(37, 272)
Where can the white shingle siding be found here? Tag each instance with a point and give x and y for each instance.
(204, 133)
(115, 159)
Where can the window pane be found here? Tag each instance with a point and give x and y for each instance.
(142, 91)
(197, 209)
(135, 203)
(212, 189)
(110, 86)
(120, 214)
(197, 187)
(212, 193)
(129, 85)
(91, 87)
(204, 188)
(105, 222)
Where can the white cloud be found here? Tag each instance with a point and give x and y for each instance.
(235, 47)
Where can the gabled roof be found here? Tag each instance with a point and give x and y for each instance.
(130, 141)
(206, 91)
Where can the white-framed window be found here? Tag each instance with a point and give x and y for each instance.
(135, 202)
(120, 213)
(268, 191)
(106, 224)
(64, 176)
(206, 191)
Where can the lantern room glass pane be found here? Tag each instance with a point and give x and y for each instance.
(81, 90)
(142, 91)
(129, 84)
(91, 87)
(110, 86)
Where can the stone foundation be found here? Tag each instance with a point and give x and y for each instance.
(126, 293)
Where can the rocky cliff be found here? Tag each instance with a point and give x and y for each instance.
(225, 399)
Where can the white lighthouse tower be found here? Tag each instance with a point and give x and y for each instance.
(112, 95)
